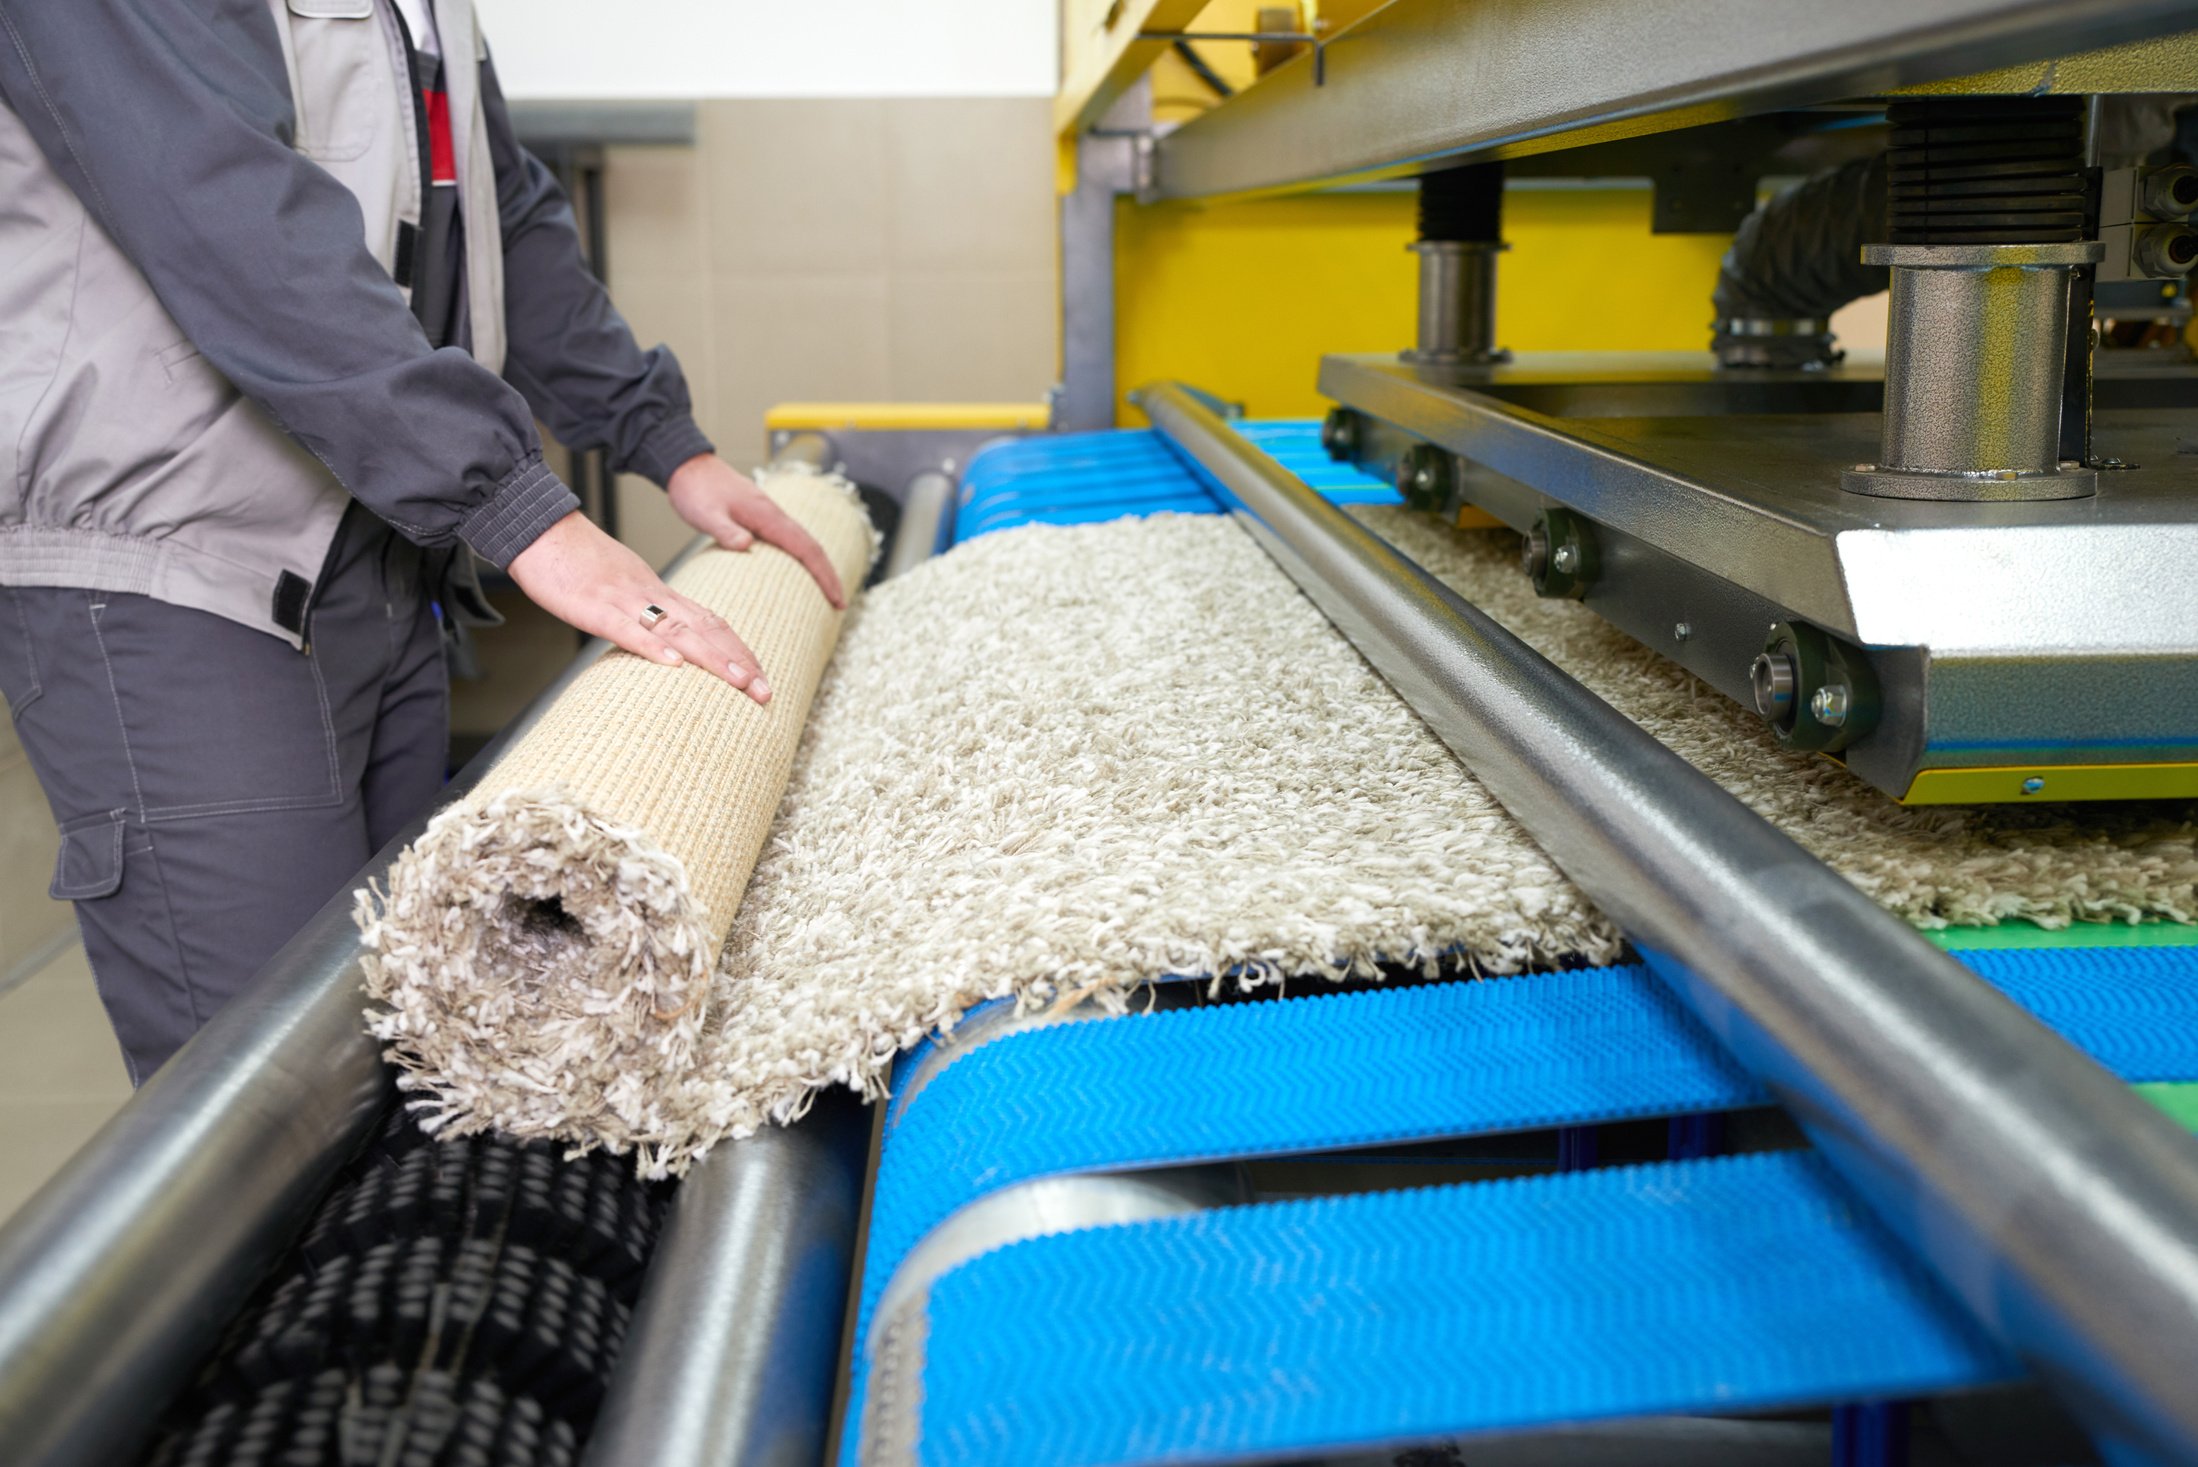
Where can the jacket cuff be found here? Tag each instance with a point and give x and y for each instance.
(666, 446)
(531, 499)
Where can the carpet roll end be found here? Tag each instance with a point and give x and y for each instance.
(528, 960)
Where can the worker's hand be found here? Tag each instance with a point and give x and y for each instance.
(725, 504)
(583, 577)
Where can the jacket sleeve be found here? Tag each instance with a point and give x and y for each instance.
(567, 349)
(172, 123)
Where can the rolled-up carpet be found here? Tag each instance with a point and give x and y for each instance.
(541, 957)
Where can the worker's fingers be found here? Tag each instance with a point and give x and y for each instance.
(640, 642)
(730, 534)
(721, 635)
(688, 629)
(775, 526)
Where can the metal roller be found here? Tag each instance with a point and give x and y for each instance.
(927, 515)
(2056, 1204)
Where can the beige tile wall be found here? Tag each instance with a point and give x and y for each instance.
(896, 249)
(30, 921)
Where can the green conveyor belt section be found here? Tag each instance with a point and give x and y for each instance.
(2179, 1100)
(2077, 934)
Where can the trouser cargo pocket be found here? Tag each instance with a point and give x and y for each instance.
(90, 863)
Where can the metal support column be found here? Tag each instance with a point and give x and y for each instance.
(1109, 164)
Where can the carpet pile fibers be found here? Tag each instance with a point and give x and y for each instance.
(541, 957)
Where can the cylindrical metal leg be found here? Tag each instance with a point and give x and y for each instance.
(1457, 301)
(1460, 228)
(1974, 364)
(1986, 209)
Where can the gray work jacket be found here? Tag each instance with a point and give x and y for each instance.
(205, 348)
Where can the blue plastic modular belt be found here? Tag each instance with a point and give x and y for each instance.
(1733, 1284)
(1410, 1064)
(1086, 477)
(1404, 1064)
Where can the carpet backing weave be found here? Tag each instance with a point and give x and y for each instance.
(541, 957)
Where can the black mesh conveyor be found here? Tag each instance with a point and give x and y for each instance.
(451, 1304)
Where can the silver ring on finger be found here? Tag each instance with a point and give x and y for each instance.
(651, 615)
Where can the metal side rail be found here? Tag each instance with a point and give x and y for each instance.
(2059, 1207)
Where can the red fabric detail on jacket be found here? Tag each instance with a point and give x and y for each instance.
(442, 154)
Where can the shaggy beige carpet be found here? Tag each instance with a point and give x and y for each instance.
(1062, 762)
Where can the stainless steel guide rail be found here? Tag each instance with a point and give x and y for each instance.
(2056, 1204)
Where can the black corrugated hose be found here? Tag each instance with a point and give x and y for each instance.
(1798, 257)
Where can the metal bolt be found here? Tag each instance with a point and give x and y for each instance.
(1423, 478)
(1829, 704)
(1339, 435)
(2032, 785)
(1774, 680)
(1566, 558)
(1682, 631)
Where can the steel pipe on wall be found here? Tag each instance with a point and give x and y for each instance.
(2054, 1202)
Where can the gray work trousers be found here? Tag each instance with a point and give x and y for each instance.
(214, 786)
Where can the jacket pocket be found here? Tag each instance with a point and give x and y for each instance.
(90, 863)
(346, 77)
(183, 366)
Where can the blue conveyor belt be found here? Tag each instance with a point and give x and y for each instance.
(1460, 1059)
(1727, 1285)
(1409, 1064)
(1104, 476)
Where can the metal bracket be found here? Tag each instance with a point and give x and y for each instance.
(1319, 44)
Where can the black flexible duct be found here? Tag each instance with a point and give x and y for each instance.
(1797, 259)
(1203, 70)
